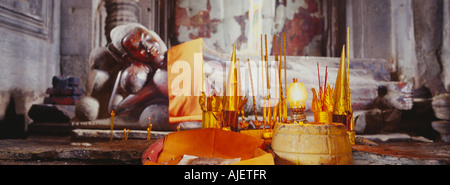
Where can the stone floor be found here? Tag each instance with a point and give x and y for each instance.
(402, 153)
(64, 150)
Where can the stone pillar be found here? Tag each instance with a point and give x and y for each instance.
(120, 12)
(445, 56)
(428, 35)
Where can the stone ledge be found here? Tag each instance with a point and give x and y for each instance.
(402, 153)
(61, 152)
(16, 151)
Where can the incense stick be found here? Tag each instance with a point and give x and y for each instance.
(262, 82)
(253, 90)
(275, 108)
(280, 98)
(324, 88)
(285, 81)
(238, 75)
(269, 115)
(318, 74)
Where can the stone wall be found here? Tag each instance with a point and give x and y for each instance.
(42, 39)
(224, 23)
(411, 34)
(76, 37)
(29, 53)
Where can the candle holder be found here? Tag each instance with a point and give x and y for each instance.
(297, 99)
(298, 114)
(212, 111)
(231, 120)
(323, 117)
(322, 105)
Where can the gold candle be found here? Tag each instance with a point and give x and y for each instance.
(275, 108)
(269, 115)
(285, 81)
(124, 134)
(280, 99)
(112, 126)
(149, 129)
(350, 132)
(349, 103)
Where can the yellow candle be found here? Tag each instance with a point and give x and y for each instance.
(178, 128)
(349, 104)
(275, 108)
(269, 121)
(112, 126)
(149, 129)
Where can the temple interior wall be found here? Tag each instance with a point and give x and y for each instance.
(41, 39)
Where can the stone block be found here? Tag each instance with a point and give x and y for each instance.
(51, 113)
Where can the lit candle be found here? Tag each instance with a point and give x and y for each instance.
(112, 126)
(178, 128)
(149, 123)
(149, 129)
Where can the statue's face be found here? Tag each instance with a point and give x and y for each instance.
(143, 46)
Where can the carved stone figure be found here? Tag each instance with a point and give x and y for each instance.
(127, 77)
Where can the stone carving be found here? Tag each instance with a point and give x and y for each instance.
(120, 12)
(32, 17)
(122, 78)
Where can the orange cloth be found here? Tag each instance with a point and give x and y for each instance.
(185, 67)
(213, 142)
